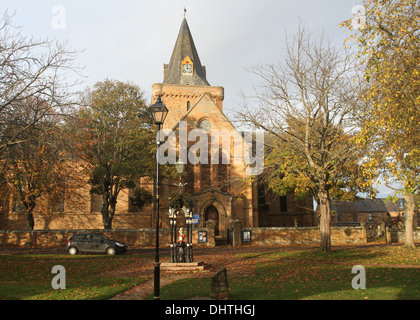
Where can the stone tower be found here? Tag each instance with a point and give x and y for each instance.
(194, 103)
(184, 79)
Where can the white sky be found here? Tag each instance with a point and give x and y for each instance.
(131, 39)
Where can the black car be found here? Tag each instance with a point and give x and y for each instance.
(94, 243)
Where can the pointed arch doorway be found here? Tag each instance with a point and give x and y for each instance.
(213, 214)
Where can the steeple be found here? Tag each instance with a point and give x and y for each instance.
(185, 67)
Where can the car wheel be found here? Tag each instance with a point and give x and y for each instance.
(110, 251)
(72, 251)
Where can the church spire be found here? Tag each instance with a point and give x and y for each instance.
(185, 66)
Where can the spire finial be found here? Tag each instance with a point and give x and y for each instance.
(185, 12)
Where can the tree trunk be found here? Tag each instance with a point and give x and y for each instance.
(108, 212)
(29, 208)
(107, 223)
(325, 219)
(111, 213)
(409, 219)
(30, 219)
(104, 211)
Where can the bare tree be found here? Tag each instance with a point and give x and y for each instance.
(37, 167)
(308, 104)
(30, 70)
(34, 94)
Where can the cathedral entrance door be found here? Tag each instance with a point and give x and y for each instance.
(213, 214)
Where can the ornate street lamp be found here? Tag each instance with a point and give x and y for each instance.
(180, 167)
(159, 113)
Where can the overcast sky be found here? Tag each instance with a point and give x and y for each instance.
(132, 39)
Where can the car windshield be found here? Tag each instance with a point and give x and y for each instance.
(78, 237)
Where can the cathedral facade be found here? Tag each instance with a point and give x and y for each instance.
(220, 184)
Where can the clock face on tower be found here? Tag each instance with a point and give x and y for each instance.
(187, 68)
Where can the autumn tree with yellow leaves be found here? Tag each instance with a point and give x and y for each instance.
(387, 36)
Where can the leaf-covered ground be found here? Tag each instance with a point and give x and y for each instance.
(392, 272)
(254, 273)
(29, 277)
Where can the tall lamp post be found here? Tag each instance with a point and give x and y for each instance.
(172, 221)
(159, 113)
(180, 167)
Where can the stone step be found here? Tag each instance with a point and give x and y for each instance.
(188, 266)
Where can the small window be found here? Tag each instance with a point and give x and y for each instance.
(57, 202)
(188, 105)
(283, 204)
(261, 195)
(57, 198)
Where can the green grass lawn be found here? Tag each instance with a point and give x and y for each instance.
(315, 275)
(305, 274)
(28, 277)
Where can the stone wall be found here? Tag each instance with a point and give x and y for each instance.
(305, 236)
(401, 236)
(145, 238)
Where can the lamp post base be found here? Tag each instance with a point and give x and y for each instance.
(156, 281)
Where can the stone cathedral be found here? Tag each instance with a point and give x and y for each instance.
(222, 190)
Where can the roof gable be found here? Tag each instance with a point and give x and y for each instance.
(185, 47)
(206, 105)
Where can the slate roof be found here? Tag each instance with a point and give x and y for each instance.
(365, 205)
(185, 46)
